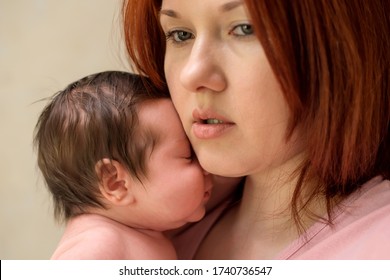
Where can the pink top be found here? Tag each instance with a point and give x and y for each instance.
(361, 229)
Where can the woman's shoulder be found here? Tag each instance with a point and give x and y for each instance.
(360, 230)
(365, 223)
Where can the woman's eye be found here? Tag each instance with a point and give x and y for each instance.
(179, 36)
(242, 30)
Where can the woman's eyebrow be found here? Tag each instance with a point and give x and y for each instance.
(169, 13)
(230, 5)
(226, 7)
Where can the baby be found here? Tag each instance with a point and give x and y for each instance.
(120, 169)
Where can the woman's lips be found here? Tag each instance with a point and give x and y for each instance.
(208, 124)
(208, 131)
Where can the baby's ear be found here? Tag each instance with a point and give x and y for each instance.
(115, 182)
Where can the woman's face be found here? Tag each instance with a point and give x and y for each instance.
(228, 99)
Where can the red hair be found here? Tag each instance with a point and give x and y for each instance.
(145, 40)
(332, 60)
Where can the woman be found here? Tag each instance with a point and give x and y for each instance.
(293, 95)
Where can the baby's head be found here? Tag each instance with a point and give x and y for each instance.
(96, 142)
(91, 119)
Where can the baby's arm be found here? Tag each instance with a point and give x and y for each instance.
(107, 243)
(93, 244)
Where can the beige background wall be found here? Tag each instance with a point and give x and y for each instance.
(44, 45)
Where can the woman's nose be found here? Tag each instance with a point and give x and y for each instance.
(203, 69)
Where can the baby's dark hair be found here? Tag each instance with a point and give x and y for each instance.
(91, 119)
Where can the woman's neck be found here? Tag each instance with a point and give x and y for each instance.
(264, 212)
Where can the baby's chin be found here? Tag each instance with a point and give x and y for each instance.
(194, 217)
(198, 215)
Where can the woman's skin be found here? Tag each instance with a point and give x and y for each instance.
(234, 113)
